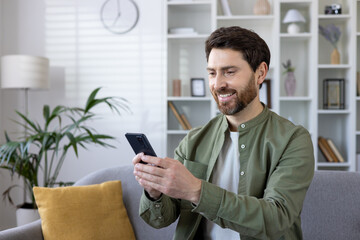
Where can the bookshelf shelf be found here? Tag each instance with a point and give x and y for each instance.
(295, 1)
(246, 17)
(340, 17)
(328, 164)
(177, 132)
(295, 99)
(186, 99)
(187, 36)
(335, 112)
(190, 3)
(295, 36)
(334, 66)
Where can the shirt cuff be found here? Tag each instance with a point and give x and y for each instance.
(210, 200)
(152, 199)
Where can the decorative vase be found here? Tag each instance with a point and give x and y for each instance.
(176, 87)
(26, 215)
(262, 7)
(335, 56)
(290, 84)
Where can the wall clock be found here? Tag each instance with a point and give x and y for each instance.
(119, 16)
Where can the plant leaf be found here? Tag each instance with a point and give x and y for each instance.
(72, 142)
(90, 100)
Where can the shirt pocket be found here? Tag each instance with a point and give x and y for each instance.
(197, 169)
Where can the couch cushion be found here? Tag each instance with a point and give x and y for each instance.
(331, 204)
(83, 212)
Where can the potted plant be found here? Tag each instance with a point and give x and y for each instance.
(290, 81)
(43, 148)
(332, 33)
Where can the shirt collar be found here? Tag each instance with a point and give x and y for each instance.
(249, 124)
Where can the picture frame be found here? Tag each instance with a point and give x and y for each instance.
(334, 93)
(198, 87)
(265, 92)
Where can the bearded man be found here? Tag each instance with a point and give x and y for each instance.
(246, 172)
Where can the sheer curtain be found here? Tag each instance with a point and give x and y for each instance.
(126, 65)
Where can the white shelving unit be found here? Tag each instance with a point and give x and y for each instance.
(308, 51)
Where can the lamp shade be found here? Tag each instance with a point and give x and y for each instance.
(293, 16)
(23, 71)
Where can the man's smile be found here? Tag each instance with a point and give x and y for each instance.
(226, 97)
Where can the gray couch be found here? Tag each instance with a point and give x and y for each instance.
(331, 207)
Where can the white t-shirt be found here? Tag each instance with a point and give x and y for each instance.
(225, 175)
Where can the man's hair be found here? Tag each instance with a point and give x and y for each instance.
(252, 46)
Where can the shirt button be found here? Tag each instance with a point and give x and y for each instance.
(160, 217)
(242, 173)
(242, 125)
(157, 205)
(242, 146)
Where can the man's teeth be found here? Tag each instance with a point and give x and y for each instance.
(226, 95)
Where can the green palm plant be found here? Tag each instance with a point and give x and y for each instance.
(43, 149)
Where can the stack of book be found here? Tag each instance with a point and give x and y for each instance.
(180, 117)
(329, 150)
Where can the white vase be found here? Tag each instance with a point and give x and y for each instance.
(26, 215)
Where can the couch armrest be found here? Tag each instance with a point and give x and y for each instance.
(31, 231)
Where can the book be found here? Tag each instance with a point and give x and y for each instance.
(226, 7)
(326, 150)
(186, 121)
(177, 115)
(335, 150)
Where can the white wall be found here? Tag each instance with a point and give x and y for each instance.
(26, 29)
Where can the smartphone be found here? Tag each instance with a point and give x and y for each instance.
(140, 143)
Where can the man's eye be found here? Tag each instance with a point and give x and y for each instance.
(211, 73)
(229, 73)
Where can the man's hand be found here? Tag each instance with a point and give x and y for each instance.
(152, 192)
(168, 176)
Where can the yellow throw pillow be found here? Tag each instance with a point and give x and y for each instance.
(83, 212)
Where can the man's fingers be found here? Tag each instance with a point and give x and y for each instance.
(159, 162)
(151, 160)
(150, 176)
(150, 185)
(137, 158)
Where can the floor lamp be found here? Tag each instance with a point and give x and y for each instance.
(24, 72)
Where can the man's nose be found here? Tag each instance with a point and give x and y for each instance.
(220, 81)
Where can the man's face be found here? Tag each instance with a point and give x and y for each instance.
(231, 80)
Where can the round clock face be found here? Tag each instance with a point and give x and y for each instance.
(119, 16)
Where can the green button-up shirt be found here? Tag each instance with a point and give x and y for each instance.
(276, 169)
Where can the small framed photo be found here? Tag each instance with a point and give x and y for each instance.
(334, 93)
(265, 92)
(198, 87)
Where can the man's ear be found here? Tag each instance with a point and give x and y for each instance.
(261, 72)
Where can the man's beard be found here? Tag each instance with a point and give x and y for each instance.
(243, 98)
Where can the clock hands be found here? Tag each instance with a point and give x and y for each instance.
(118, 13)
